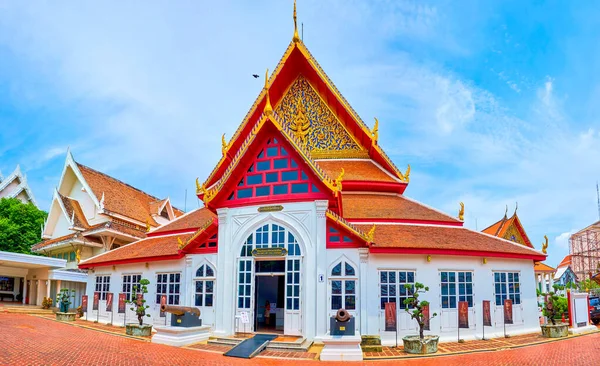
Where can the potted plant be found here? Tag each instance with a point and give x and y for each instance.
(46, 303)
(419, 344)
(139, 306)
(554, 306)
(63, 299)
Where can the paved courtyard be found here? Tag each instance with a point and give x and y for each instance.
(29, 340)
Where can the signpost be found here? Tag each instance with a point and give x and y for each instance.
(487, 316)
(463, 316)
(391, 320)
(508, 314)
(109, 305)
(245, 319)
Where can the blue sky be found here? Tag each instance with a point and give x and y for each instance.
(490, 102)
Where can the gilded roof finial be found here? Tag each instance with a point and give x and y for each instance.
(78, 255)
(375, 131)
(407, 174)
(224, 146)
(180, 243)
(198, 187)
(338, 180)
(296, 38)
(461, 212)
(506, 212)
(516, 208)
(268, 109)
(545, 245)
(148, 225)
(371, 234)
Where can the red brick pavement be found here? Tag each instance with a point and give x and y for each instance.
(28, 340)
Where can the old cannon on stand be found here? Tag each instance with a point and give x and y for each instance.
(183, 316)
(342, 323)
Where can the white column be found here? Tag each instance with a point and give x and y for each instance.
(225, 301)
(24, 289)
(364, 259)
(320, 316)
(187, 283)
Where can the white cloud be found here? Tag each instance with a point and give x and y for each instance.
(562, 241)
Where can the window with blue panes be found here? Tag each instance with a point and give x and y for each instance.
(205, 286)
(273, 173)
(343, 281)
(456, 286)
(392, 287)
(507, 286)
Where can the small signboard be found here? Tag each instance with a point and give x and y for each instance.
(508, 313)
(487, 314)
(84, 303)
(269, 252)
(122, 298)
(244, 318)
(163, 301)
(321, 278)
(463, 314)
(390, 317)
(109, 302)
(96, 301)
(273, 208)
(426, 317)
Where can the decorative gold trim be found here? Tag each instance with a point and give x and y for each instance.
(268, 110)
(375, 131)
(545, 245)
(224, 145)
(338, 180)
(180, 243)
(295, 38)
(148, 225)
(348, 226)
(371, 234)
(461, 212)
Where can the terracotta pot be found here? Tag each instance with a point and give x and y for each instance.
(65, 317)
(555, 331)
(134, 329)
(413, 344)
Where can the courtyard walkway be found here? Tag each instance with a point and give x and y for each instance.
(30, 340)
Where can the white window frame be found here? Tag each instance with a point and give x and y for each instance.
(128, 280)
(102, 286)
(397, 285)
(203, 280)
(343, 277)
(168, 283)
(457, 284)
(507, 295)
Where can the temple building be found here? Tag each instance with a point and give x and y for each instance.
(510, 228)
(15, 186)
(92, 213)
(305, 214)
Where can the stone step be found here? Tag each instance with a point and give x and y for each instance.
(371, 348)
(370, 340)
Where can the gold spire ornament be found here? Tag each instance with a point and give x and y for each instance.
(545, 245)
(461, 212)
(338, 180)
(148, 225)
(407, 174)
(296, 38)
(198, 186)
(300, 125)
(78, 255)
(268, 108)
(180, 243)
(375, 131)
(224, 147)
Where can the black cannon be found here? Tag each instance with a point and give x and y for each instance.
(342, 324)
(183, 316)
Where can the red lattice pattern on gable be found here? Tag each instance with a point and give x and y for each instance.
(275, 174)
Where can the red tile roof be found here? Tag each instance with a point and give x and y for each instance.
(61, 239)
(565, 262)
(543, 267)
(358, 170)
(146, 248)
(191, 220)
(116, 226)
(119, 197)
(500, 228)
(72, 206)
(379, 206)
(443, 238)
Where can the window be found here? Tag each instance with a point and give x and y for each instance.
(271, 236)
(336, 238)
(456, 286)
(131, 282)
(392, 287)
(210, 245)
(293, 284)
(168, 284)
(205, 286)
(7, 284)
(72, 257)
(507, 286)
(343, 286)
(273, 173)
(102, 286)
(244, 284)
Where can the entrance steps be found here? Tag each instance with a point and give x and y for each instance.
(282, 343)
(26, 309)
(371, 343)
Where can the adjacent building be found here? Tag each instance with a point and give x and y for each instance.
(15, 186)
(92, 213)
(306, 214)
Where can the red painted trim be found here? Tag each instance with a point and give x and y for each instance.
(367, 185)
(407, 221)
(469, 253)
(342, 246)
(267, 200)
(204, 251)
(569, 308)
(132, 260)
(189, 230)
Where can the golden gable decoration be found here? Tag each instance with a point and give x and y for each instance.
(304, 112)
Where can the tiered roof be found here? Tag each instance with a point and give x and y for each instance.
(509, 228)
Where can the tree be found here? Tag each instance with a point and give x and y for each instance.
(20, 225)
(137, 300)
(414, 307)
(555, 305)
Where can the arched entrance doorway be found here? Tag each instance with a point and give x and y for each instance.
(269, 282)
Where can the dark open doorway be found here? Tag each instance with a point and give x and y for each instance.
(269, 288)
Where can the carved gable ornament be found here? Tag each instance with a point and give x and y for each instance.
(304, 112)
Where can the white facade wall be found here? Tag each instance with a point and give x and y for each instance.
(307, 222)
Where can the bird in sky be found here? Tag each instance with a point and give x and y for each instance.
(255, 76)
